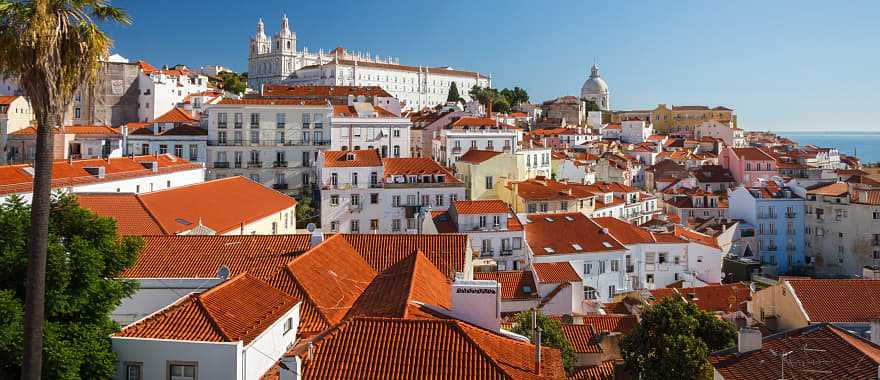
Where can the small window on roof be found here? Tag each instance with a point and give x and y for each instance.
(607, 244)
(568, 218)
(577, 247)
(527, 289)
(549, 219)
(549, 250)
(183, 221)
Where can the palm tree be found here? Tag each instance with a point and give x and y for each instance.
(51, 48)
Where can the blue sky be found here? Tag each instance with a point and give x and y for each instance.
(783, 65)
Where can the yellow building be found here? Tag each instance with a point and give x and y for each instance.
(481, 171)
(686, 118)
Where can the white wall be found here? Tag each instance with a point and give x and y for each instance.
(155, 294)
(216, 360)
(267, 348)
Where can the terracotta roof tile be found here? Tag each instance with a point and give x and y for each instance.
(352, 158)
(604, 371)
(552, 273)
(418, 349)
(180, 256)
(836, 300)
(488, 206)
(176, 115)
(816, 351)
(567, 233)
(724, 298)
(447, 252)
(582, 338)
(515, 285)
(131, 216)
(412, 279)
(611, 322)
(281, 90)
(416, 166)
(476, 156)
(753, 154)
(273, 102)
(239, 309)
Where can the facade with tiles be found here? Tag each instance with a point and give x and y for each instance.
(275, 142)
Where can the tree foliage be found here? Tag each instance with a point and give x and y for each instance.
(673, 341)
(502, 101)
(232, 82)
(84, 262)
(590, 105)
(453, 95)
(551, 334)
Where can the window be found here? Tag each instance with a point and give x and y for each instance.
(374, 198)
(221, 120)
(395, 132)
(438, 200)
(334, 200)
(306, 120)
(193, 152)
(178, 151)
(533, 208)
(255, 120)
(496, 220)
(590, 293)
(163, 149)
(133, 371)
(374, 224)
(395, 225)
(238, 120)
(396, 151)
(611, 290)
(255, 137)
(489, 182)
(182, 371)
(355, 200)
(395, 200)
(601, 266)
(615, 265)
(355, 226)
(279, 120)
(145, 149)
(482, 221)
(334, 226)
(662, 257)
(279, 137)
(649, 278)
(354, 179)
(588, 268)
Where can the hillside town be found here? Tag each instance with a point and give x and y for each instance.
(351, 216)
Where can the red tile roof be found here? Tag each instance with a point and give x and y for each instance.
(837, 300)
(476, 156)
(19, 179)
(471, 122)
(131, 216)
(488, 206)
(281, 90)
(553, 273)
(819, 351)
(222, 205)
(515, 285)
(447, 252)
(416, 166)
(753, 154)
(343, 110)
(624, 232)
(398, 67)
(611, 322)
(724, 298)
(377, 348)
(834, 189)
(176, 115)
(87, 130)
(274, 102)
(181, 256)
(582, 338)
(352, 158)
(561, 232)
(604, 371)
(239, 309)
(868, 197)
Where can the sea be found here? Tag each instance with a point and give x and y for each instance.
(864, 145)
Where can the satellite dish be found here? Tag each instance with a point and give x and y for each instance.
(223, 272)
(310, 227)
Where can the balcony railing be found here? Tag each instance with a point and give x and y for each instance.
(790, 214)
(280, 186)
(238, 164)
(630, 268)
(255, 164)
(221, 125)
(238, 125)
(221, 165)
(279, 164)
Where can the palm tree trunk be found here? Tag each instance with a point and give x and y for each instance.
(37, 245)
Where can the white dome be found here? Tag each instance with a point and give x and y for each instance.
(594, 84)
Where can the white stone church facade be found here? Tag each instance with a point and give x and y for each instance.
(277, 60)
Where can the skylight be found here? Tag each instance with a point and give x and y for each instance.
(568, 218)
(183, 221)
(607, 244)
(549, 219)
(549, 250)
(577, 247)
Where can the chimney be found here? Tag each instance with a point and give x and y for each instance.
(317, 235)
(289, 368)
(748, 340)
(477, 302)
(537, 350)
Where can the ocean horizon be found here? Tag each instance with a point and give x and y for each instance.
(863, 144)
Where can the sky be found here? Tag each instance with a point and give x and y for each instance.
(782, 65)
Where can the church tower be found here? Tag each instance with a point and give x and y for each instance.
(259, 57)
(284, 44)
(595, 89)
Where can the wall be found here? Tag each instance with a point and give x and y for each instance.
(263, 226)
(216, 360)
(779, 300)
(155, 294)
(270, 346)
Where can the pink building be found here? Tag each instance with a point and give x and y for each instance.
(748, 164)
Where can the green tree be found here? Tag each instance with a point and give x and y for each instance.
(453, 95)
(306, 212)
(551, 334)
(515, 96)
(50, 48)
(673, 341)
(590, 105)
(85, 259)
(233, 82)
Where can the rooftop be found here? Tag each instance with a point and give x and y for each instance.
(515, 285)
(835, 301)
(351, 158)
(568, 233)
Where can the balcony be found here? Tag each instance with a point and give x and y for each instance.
(255, 126)
(221, 125)
(255, 164)
(280, 186)
(355, 208)
(221, 165)
(771, 249)
(238, 125)
(790, 215)
(238, 164)
(280, 125)
(279, 164)
(630, 268)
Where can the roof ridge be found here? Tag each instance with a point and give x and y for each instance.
(211, 319)
(456, 325)
(151, 214)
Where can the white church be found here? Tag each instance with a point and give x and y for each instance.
(278, 61)
(595, 89)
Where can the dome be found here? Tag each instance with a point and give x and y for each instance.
(594, 84)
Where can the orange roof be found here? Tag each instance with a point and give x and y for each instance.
(542, 189)
(19, 178)
(625, 232)
(416, 166)
(868, 197)
(470, 122)
(696, 237)
(7, 100)
(131, 216)
(420, 349)
(273, 102)
(239, 309)
(583, 338)
(222, 205)
(342, 110)
(176, 115)
(476, 156)
(603, 371)
(487, 206)
(515, 285)
(101, 130)
(835, 189)
(713, 298)
(567, 233)
(815, 351)
(146, 67)
(610, 322)
(281, 90)
(351, 158)
(836, 301)
(200, 256)
(447, 252)
(753, 154)
(554, 273)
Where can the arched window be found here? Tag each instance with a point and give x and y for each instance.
(288, 44)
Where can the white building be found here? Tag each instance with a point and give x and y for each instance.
(635, 131)
(235, 330)
(493, 229)
(271, 141)
(596, 90)
(15, 114)
(361, 125)
(278, 60)
(114, 175)
(360, 193)
(474, 133)
(724, 131)
(536, 161)
(175, 132)
(162, 90)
